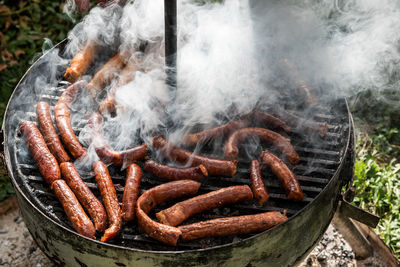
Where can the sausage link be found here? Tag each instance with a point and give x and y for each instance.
(267, 120)
(257, 183)
(171, 173)
(49, 132)
(81, 62)
(46, 162)
(232, 225)
(285, 175)
(215, 167)
(284, 145)
(131, 192)
(159, 194)
(76, 215)
(181, 211)
(110, 200)
(85, 196)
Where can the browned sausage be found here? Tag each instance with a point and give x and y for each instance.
(284, 145)
(257, 183)
(181, 211)
(85, 196)
(76, 215)
(267, 120)
(81, 62)
(49, 132)
(159, 194)
(62, 118)
(110, 200)
(131, 191)
(215, 167)
(217, 132)
(285, 175)
(171, 173)
(46, 162)
(232, 225)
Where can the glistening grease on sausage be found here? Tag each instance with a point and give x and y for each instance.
(46, 162)
(285, 175)
(81, 62)
(282, 143)
(85, 196)
(215, 167)
(159, 194)
(181, 211)
(257, 183)
(131, 192)
(171, 173)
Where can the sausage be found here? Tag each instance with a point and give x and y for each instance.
(159, 194)
(171, 173)
(232, 225)
(285, 175)
(217, 132)
(46, 162)
(106, 74)
(267, 120)
(110, 200)
(85, 196)
(49, 132)
(181, 211)
(76, 215)
(257, 183)
(62, 118)
(284, 145)
(81, 62)
(215, 167)
(131, 192)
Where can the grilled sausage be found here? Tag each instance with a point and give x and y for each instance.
(181, 211)
(76, 215)
(110, 200)
(46, 162)
(267, 120)
(159, 194)
(257, 183)
(62, 118)
(215, 167)
(49, 132)
(285, 175)
(171, 173)
(131, 192)
(232, 225)
(81, 62)
(284, 145)
(85, 196)
(220, 131)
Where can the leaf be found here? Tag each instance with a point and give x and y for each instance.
(3, 67)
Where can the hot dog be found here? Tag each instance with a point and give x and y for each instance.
(257, 183)
(76, 215)
(131, 192)
(267, 120)
(171, 173)
(49, 132)
(232, 225)
(81, 62)
(85, 196)
(285, 175)
(215, 167)
(46, 162)
(284, 145)
(110, 200)
(181, 211)
(159, 194)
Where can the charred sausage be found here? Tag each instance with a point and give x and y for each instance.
(85, 196)
(46, 162)
(257, 183)
(81, 62)
(284, 145)
(159, 194)
(215, 167)
(285, 175)
(131, 192)
(171, 173)
(181, 211)
(232, 225)
(267, 120)
(110, 200)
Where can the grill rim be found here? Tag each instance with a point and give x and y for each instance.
(10, 170)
